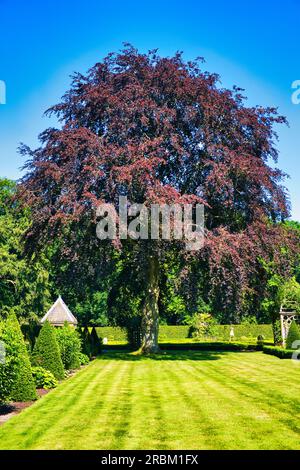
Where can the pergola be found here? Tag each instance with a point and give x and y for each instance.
(288, 313)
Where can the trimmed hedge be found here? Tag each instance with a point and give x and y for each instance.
(174, 332)
(113, 333)
(171, 333)
(46, 352)
(209, 346)
(222, 332)
(278, 352)
(192, 346)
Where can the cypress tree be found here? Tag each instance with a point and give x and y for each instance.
(46, 352)
(16, 379)
(293, 335)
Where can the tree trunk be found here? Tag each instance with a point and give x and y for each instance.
(150, 311)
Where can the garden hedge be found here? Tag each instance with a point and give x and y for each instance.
(113, 333)
(278, 352)
(209, 346)
(222, 332)
(174, 332)
(193, 346)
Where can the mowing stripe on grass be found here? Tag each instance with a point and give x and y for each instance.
(178, 400)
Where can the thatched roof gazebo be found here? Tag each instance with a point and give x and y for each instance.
(59, 313)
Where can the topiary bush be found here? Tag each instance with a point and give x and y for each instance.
(16, 381)
(7, 369)
(46, 352)
(69, 344)
(85, 341)
(95, 343)
(293, 335)
(43, 378)
(260, 342)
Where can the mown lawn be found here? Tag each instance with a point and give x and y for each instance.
(180, 400)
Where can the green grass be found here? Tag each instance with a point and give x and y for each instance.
(179, 400)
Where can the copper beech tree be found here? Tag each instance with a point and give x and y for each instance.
(157, 130)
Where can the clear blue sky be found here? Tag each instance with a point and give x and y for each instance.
(253, 44)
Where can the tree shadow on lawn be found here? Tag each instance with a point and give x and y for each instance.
(163, 356)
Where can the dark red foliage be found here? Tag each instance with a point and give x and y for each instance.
(160, 130)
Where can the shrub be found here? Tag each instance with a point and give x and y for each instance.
(202, 324)
(293, 335)
(46, 352)
(16, 381)
(95, 343)
(69, 344)
(43, 378)
(260, 342)
(84, 359)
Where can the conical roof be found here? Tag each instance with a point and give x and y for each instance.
(59, 313)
